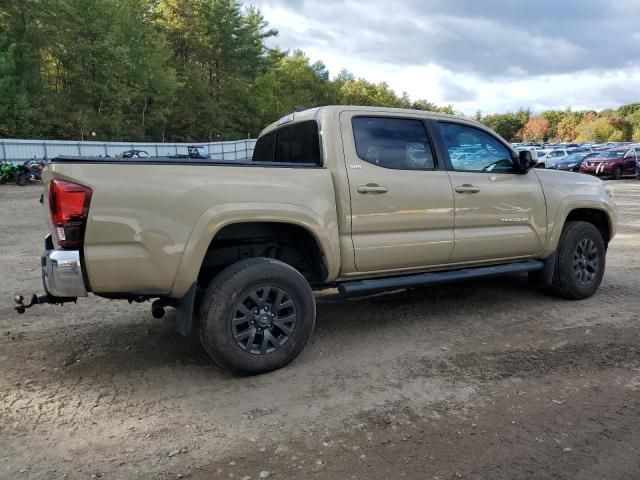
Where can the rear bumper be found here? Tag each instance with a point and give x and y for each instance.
(62, 272)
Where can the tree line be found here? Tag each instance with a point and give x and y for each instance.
(610, 125)
(182, 70)
(174, 70)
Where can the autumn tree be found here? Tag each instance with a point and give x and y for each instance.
(536, 128)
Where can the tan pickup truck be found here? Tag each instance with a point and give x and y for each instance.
(359, 198)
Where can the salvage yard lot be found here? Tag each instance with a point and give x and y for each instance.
(478, 380)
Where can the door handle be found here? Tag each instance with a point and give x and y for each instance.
(467, 188)
(372, 188)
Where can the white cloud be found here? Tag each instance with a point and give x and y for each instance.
(542, 55)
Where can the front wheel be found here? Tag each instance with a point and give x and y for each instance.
(617, 173)
(256, 316)
(22, 179)
(580, 263)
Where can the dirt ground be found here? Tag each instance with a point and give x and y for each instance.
(484, 380)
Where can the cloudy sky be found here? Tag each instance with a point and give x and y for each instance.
(487, 55)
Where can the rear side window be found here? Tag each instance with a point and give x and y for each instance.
(263, 151)
(396, 143)
(298, 143)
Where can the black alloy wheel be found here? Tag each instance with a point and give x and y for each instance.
(263, 320)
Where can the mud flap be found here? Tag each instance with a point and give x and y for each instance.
(544, 278)
(184, 311)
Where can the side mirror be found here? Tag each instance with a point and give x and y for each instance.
(525, 161)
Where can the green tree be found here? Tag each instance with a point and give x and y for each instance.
(219, 51)
(507, 125)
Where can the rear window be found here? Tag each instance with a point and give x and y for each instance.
(298, 143)
(395, 143)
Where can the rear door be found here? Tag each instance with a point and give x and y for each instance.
(401, 199)
(499, 214)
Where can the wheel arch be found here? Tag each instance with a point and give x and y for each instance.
(221, 219)
(595, 211)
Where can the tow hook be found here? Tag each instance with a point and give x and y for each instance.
(39, 299)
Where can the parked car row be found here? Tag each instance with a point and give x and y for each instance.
(612, 160)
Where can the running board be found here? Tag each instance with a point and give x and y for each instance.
(422, 279)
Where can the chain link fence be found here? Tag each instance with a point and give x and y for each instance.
(15, 150)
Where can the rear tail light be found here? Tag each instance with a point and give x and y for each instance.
(69, 207)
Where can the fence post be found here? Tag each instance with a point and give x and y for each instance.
(79, 149)
(4, 150)
(44, 146)
(106, 150)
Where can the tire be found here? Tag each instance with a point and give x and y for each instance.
(22, 179)
(579, 242)
(3, 180)
(228, 309)
(617, 173)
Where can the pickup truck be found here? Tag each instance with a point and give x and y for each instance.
(360, 199)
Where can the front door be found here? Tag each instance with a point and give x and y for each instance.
(499, 214)
(401, 200)
(630, 162)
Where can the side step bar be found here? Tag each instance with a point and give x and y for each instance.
(421, 279)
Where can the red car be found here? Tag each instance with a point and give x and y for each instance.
(614, 163)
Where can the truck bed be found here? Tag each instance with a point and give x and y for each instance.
(151, 221)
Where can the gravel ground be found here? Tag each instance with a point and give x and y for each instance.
(483, 380)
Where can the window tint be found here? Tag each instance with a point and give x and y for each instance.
(485, 152)
(296, 143)
(395, 143)
(263, 151)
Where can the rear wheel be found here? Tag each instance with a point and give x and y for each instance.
(580, 262)
(256, 316)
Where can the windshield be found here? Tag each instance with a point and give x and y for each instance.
(574, 157)
(610, 154)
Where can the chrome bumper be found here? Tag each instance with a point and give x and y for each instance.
(62, 272)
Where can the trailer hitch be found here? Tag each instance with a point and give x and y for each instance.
(39, 299)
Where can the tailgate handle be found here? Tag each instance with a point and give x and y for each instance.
(466, 188)
(372, 188)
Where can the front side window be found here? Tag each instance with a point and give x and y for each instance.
(487, 154)
(395, 143)
(298, 143)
